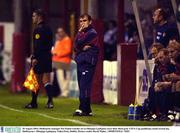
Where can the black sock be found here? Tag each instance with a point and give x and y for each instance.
(34, 97)
(48, 88)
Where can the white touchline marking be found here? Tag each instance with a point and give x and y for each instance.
(47, 116)
(70, 120)
(12, 109)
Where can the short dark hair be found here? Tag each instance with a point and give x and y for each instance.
(40, 13)
(86, 15)
(163, 13)
(61, 27)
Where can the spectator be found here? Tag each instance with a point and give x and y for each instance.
(130, 26)
(174, 49)
(154, 50)
(110, 40)
(174, 54)
(159, 97)
(61, 60)
(2, 79)
(176, 84)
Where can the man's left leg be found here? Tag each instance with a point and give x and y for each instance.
(85, 84)
(48, 88)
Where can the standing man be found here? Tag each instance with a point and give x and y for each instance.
(87, 50)
(62, 52)
(164, 30)
(41, 59)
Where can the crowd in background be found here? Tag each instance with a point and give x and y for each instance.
(162, 45)
(131, 33)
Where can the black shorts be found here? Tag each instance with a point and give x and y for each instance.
(44, 64)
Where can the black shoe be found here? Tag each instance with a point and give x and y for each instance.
(164, 117)
(50, 105)
(89, 114)
(31, 106)
(147, 116)
(177, 117)
(152, 117)
(171, 116)
(80, 113)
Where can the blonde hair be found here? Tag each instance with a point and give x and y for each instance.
(155, 48)
(158, 46)
(174, 44)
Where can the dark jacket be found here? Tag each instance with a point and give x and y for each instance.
(160, 71)
(42, 40)
(87, 37)
(165, 33)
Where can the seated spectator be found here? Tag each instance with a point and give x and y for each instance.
(149, 102)
(174, 78)
(174, 54)
(170, 82)
(154, 50)
(159, 102)
(173, 49)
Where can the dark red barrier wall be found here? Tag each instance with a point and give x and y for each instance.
(18, 62)
(97, 88)
(126, 73)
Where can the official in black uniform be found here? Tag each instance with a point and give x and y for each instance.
(41, 58)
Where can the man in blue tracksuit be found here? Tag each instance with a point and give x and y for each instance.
(86, 58)
(165, 31)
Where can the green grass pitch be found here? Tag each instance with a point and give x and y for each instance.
(13, 113)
